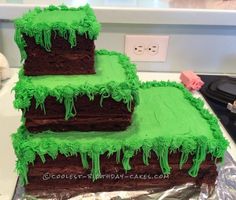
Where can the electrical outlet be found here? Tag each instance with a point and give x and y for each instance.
(146, 47)
(153, 49)
(138, 49)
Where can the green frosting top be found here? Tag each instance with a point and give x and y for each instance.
(168, 119)
(115, 77)
(66, 22)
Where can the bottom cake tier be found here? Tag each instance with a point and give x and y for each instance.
(65, 177)
(172, 140)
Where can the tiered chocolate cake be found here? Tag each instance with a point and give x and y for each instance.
(83, 130)
(60, 41)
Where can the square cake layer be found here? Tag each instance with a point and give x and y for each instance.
(63, 178)
(61, 59)
(57, 40)
(171, 135)
(81, 102)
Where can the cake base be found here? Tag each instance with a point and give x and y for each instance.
(90, 116)
(62, 59)
(157, 130)
(65, 175)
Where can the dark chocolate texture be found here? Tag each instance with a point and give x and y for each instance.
(62, 59)
(90, 115)
(65, 177)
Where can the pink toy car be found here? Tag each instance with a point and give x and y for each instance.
(191, 80)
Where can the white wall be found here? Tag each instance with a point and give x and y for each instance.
(200, 48)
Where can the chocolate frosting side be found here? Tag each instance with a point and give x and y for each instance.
(62, 59)
(90, 116)
(97, 123)
(83, 106)
(65, 175)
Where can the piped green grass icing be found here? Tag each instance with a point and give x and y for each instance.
(42, 23)
(115, 77)
(168, 119)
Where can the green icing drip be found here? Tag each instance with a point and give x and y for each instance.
(84, 160)
(161, 149)
(146, 152)
(66, 22)
(118, 157)
(162, 134)
(187, 148)
(126, 158)
(95, 166)
(104, 95)
(199, 157)
(67, 88)
(40, 96)
(70, 108)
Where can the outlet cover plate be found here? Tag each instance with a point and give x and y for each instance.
(147, 47)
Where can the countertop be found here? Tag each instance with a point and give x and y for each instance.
(10, 121)
(175, 12)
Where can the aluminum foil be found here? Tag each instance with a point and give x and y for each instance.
(225, 189)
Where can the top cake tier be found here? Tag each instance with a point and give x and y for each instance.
(57, 40)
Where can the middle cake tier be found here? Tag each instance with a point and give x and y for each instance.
(100, 102)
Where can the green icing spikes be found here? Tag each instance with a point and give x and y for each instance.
(128, 154)
(61, 20)
(84, 160)
(199, 157)
(95, 166)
